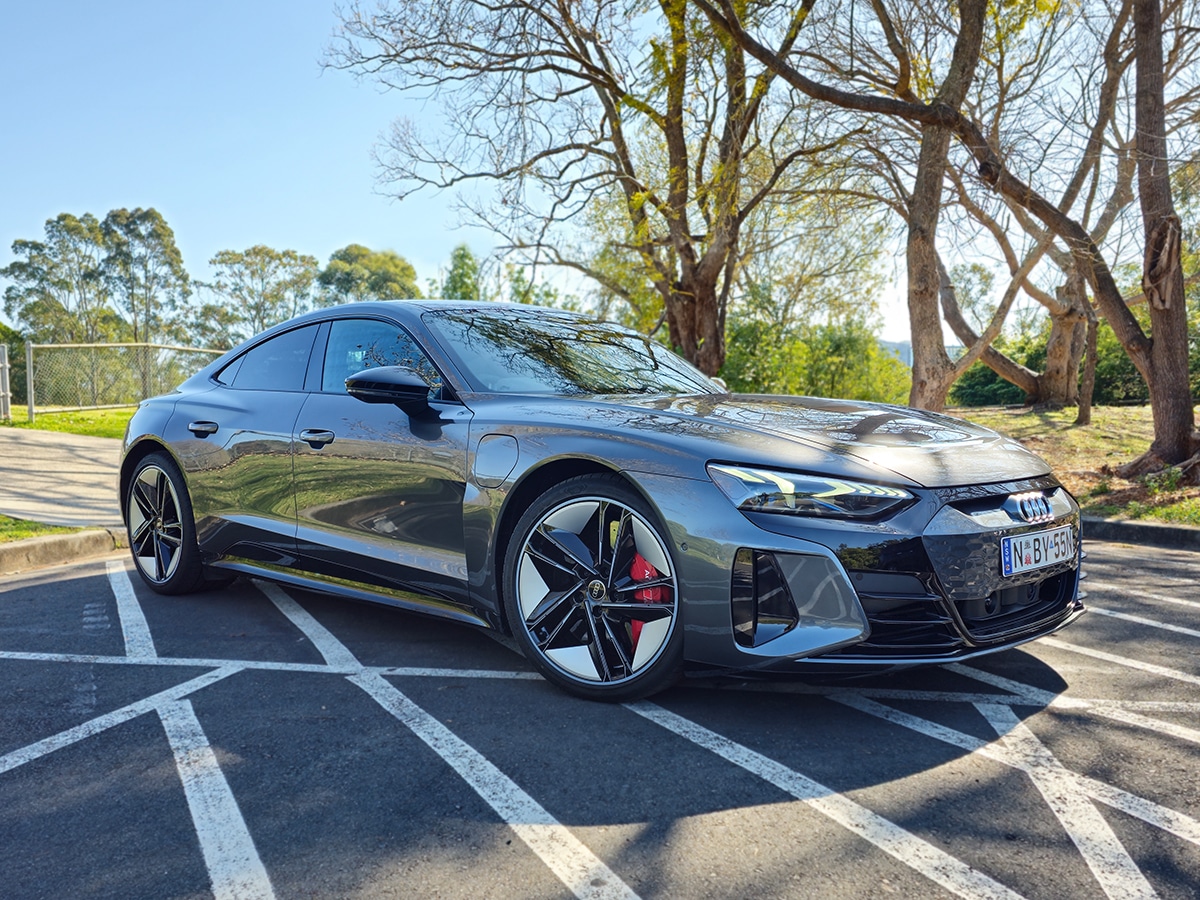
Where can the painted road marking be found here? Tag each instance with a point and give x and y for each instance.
(108, 720)
(335, 653)
(234, 867)
(1104, 854)
(1148, 811)
(1162, 671)
(138, 642)
(1141, 620)
(584, 873)
(932, 862)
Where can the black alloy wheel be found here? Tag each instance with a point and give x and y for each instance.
(591, 592)
(162, 535)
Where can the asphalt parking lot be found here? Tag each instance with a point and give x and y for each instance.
(259, 742)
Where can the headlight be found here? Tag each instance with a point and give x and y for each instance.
(763, 490)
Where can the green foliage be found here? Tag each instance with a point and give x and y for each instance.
(357, 273)
(19, 529)
(261, 286)
(842, 359)
(522, 290)
(1164, 482)
(143, 270)
(462, 281)
(1117, 379)
(15, 341)
(58, 291)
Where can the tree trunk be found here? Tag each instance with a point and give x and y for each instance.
(932, 373)
(1058, 384)
(1088, 386)
(694, 323)
(1162, 277)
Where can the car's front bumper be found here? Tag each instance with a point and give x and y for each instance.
(924, 587)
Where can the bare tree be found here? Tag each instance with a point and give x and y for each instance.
(562, 104)
(1159, 365)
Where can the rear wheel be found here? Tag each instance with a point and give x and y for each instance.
(591, 592)
(162, 533)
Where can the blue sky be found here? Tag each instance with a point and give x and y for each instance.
(217, 114)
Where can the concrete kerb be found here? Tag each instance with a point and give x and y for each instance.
(1149, 534)
(58, 549)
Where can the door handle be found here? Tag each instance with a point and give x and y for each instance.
(202, 429)
(316, 437)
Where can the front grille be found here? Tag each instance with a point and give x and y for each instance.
(1006, 613)
(905, 618)
(909, 620)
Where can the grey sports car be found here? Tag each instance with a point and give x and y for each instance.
(582, 488)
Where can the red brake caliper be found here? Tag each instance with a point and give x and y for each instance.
(641, 570)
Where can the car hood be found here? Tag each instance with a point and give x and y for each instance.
(929, 449)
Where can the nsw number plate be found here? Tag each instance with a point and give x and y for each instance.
(1036, 550)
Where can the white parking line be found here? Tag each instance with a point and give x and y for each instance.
(1141, 620)
(565, 855)
(234, 867)
(334, 651)
(1159, 598)
(1151, 668)
(108, 720)
(1148, 811)
(1110, 862)
(576, 866)
(138, 642)
(932, 862)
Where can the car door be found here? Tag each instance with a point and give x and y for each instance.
(234, 443)
(379, 492)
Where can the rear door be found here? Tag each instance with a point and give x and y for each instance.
(379, 493)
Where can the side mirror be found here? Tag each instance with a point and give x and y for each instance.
(720, 382)
(390, 384)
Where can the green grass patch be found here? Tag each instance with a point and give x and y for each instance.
(19, 529)
(109, 423)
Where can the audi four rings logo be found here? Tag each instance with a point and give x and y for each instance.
(1033, 507)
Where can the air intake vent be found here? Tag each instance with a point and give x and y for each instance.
(763, 608)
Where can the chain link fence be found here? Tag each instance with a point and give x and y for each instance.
(63, 377)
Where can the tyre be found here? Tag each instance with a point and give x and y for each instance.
(590, 591)
(162, 531)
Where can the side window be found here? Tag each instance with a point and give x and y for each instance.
(276, 365)
(357, 344)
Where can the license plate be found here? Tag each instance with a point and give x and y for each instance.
(1036, 550)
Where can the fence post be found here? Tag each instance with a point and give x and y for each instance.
(5, 394)
(29, 377)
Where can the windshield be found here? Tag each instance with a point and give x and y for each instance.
(539, 351)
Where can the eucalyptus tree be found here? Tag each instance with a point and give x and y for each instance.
(1161, 355)
(57, 291)
(357, 273)
(263, 286)
(143, 272)
(462, 279)
(559, 104)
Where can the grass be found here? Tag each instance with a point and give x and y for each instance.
(109, 423)
(18, 529)
(1085, 459)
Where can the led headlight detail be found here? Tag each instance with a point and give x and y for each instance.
(764, 490)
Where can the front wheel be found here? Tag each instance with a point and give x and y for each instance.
(590, 591)
(162, 533)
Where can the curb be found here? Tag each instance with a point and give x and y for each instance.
(57, 549)
(1152, 534)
